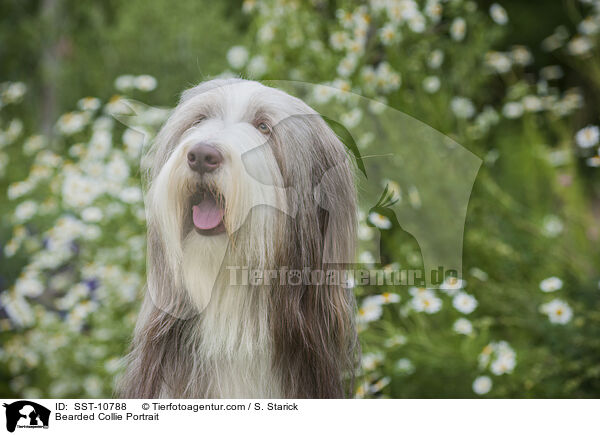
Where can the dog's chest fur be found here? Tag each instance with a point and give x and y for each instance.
(235, 343)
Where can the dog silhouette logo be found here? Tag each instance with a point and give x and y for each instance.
(26, 414)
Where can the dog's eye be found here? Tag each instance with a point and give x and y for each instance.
(264, 128)
(198, 120)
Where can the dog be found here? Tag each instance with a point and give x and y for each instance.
(243, 176)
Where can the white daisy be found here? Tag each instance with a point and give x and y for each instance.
(89, 103)
(364, 232)
(380, 384)
(347, 66)
(458, 29)
(257, 66)
(593, 162)
(465, 303)
(369, 311)
(366, 257)
(266, 33)
(125, 82)
(588, 136)
(504, 363)
(71, 123)
(338, 40)
(131, 195)
(462, 107)
(499, 62)
(532, 103)
(352, 118)
(388, 34)
(462, 326)
(552, 72)
(404, 365)
(425, 300)
(579, 45)
(498, 14)
(521, 55)
(558, 311)
(551, 284)
(417, 23)
(322, 94)
(552, 226)
(25, 211)
(370, 361)
(145, 83)
(395, 340)
(91, 214)
(431, 84)
(387, 298)
(452, 285)
(237, 56)
(14, 92)
(482, 385)
(590, 25)
(436, 58)
(512, 110)
(380, 221)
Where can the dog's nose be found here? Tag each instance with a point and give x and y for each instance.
(203, 158)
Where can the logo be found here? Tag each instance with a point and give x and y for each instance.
(26, 414)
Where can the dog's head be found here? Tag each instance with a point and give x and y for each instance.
(246, 169)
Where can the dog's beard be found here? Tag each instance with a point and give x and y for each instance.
(226, 217)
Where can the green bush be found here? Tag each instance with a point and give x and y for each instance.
(522, 322)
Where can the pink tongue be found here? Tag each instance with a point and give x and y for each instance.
(207, 215)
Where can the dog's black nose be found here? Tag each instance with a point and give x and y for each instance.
(203, 158)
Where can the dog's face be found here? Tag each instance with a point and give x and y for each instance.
(244, 175)
(233, 158)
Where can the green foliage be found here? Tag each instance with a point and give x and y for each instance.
(521, 321)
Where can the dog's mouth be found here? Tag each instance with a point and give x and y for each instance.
(208, 213)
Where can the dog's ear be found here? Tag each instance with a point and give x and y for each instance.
(313, 321)
(157, 357)
(166, 309)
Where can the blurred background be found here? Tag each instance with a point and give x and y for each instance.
(517, 83)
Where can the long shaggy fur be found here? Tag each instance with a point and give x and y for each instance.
(289, 202)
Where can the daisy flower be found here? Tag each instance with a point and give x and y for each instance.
(425, 300)
(431, 84)
(237, 56)
(396, 340)
(436, 58)
(558, 311)
(504, 363)
(404, 365)
(512, 110)
(380, 221)
(458, 29)
(369, 311)
(498, 14)
(452, 285)
(124, 82)
(464, 302)
(579, 45)
(338, 40)
(462, 326)
(462, 107)
(482, 385)
(370, 361)
(551, 284)
(145, 83)
(587, 137)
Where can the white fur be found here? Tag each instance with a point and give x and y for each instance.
(235, 331)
